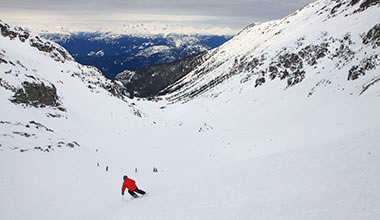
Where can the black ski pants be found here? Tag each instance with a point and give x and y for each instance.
(137, 190)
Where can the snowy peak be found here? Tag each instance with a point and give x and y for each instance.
(326, 41)
(54, 50)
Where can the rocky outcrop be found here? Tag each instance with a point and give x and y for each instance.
(373, 36)
(365, 65)
(55, 51)
(37, 95)
(366, 4)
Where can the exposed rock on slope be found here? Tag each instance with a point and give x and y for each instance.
(325, 40)
(55, 51)
(37, 95)
(40, 81)
(334, 41)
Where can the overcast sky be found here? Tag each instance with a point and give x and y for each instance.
(77, 15)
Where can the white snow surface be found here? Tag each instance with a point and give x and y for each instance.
(100, 53)
(235, 152)
(153, 50)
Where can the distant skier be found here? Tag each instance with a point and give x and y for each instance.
(132, 188)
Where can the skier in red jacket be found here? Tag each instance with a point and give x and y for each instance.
(132, 188)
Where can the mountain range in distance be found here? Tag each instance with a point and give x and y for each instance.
(113, 54)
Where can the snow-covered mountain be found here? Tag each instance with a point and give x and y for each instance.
(40, 78)
(114, 53)
(229, 141)
(327, 43)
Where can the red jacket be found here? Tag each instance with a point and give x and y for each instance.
(130, 184)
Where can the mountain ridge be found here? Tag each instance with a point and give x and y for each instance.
(289, 49)
(113, 54)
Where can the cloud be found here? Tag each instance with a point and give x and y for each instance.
(196, 13)
(258, 8)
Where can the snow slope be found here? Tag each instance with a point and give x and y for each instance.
(234, 151)
(324, 43)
